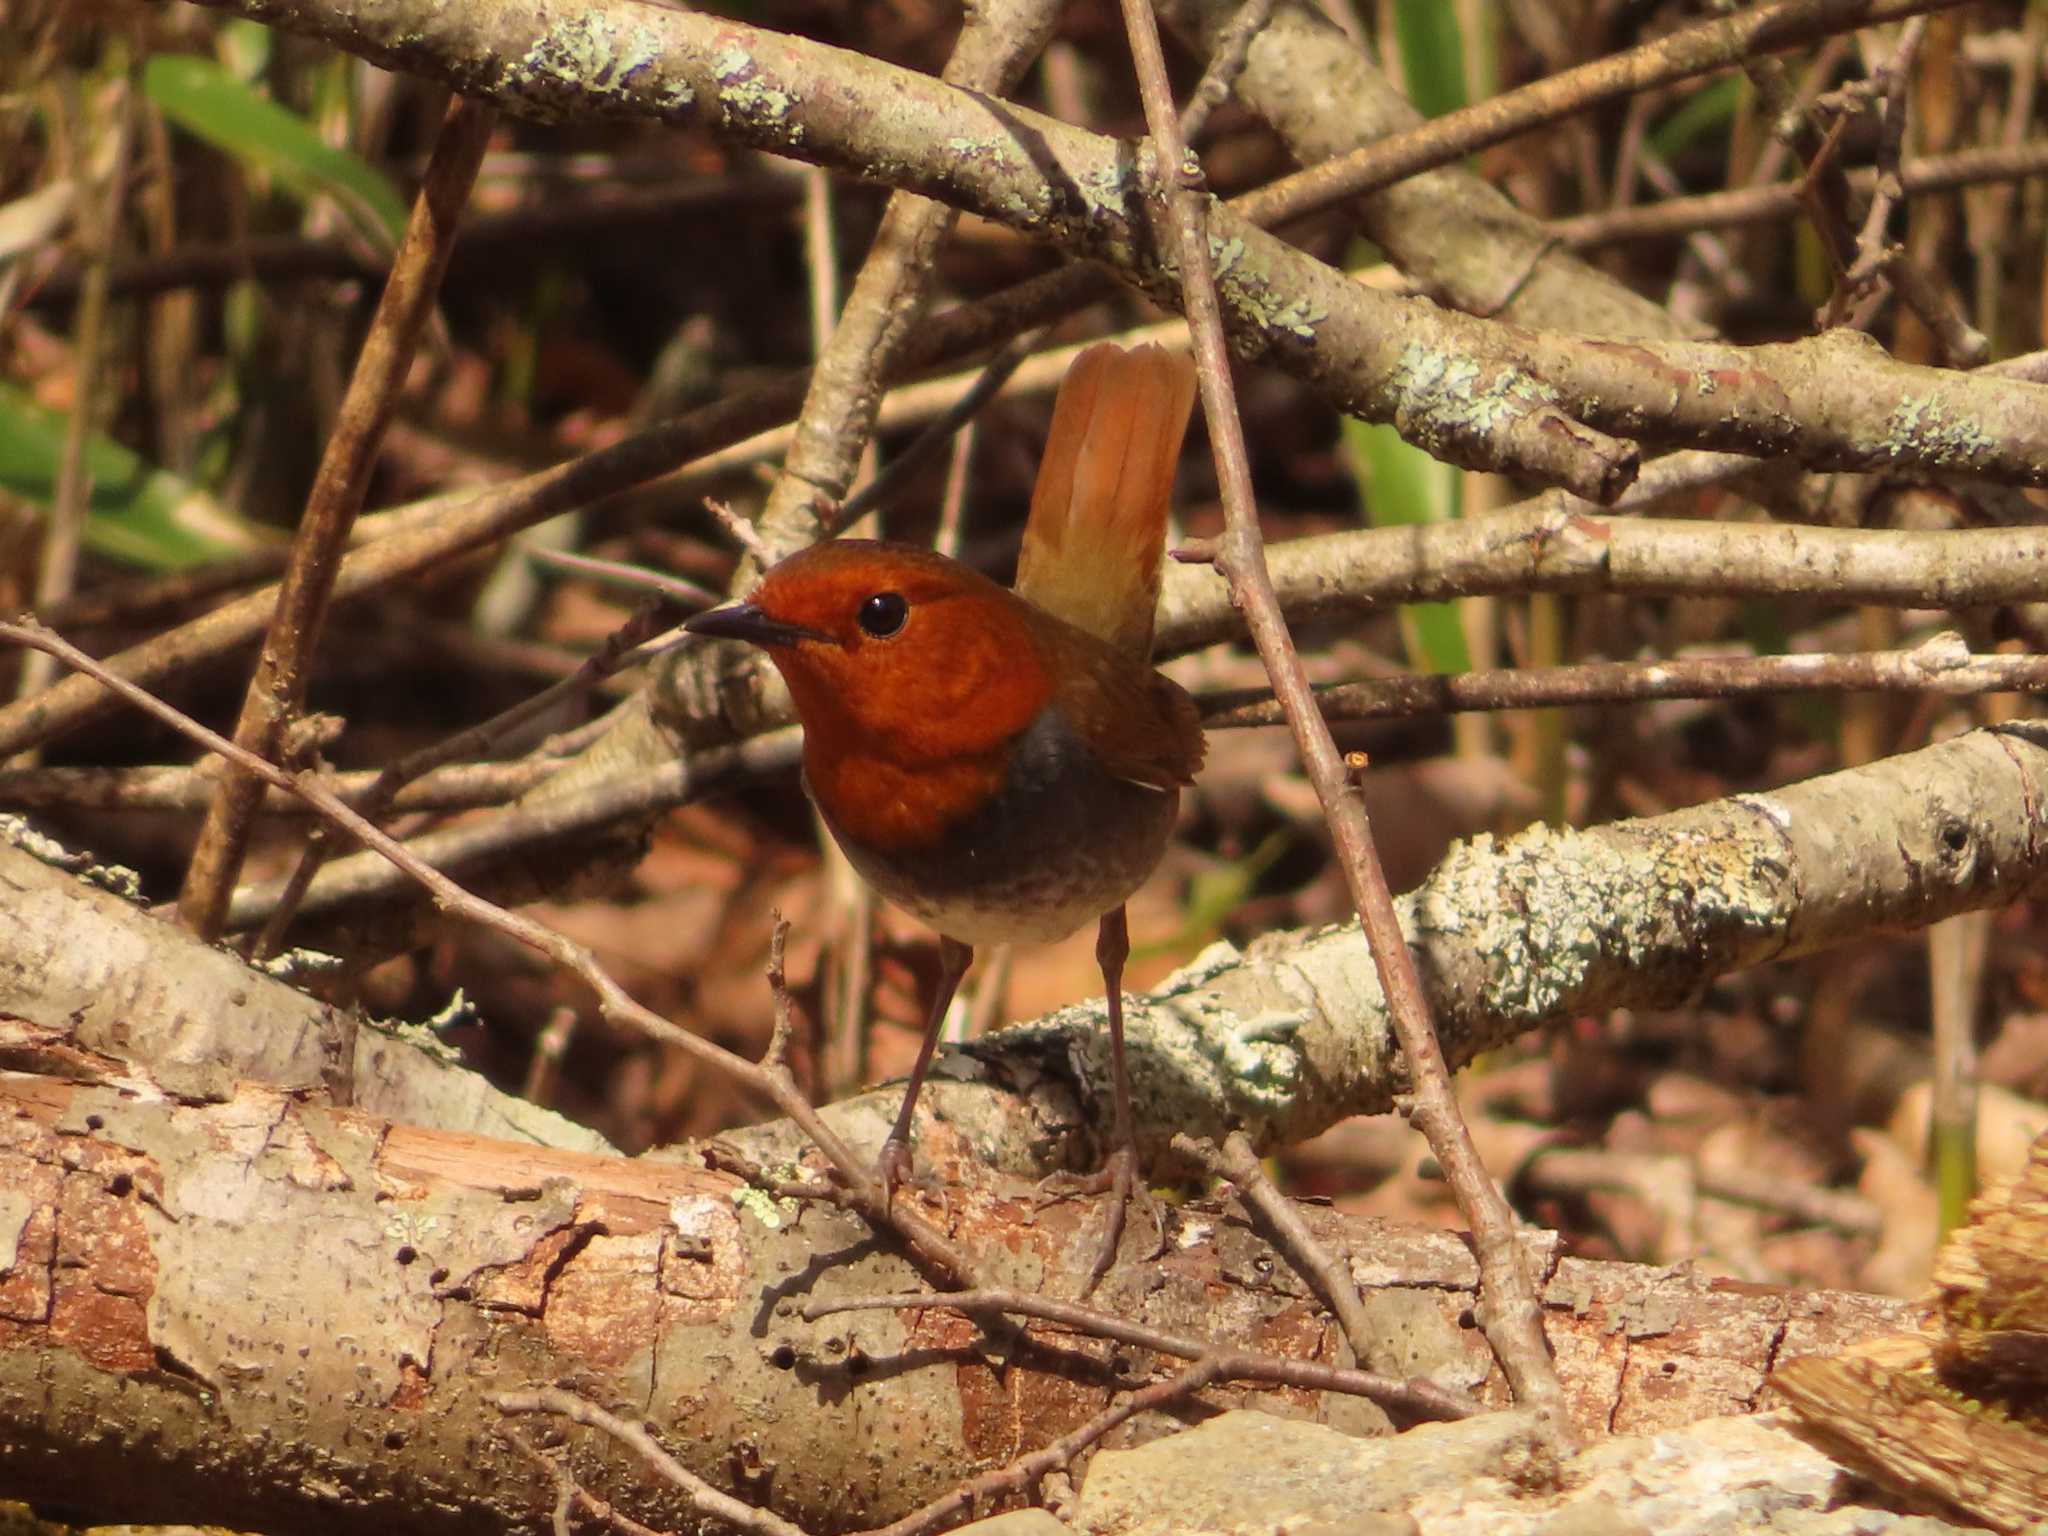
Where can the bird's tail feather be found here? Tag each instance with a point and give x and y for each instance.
(1097, 530)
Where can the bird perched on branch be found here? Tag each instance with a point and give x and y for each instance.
(1005, 765)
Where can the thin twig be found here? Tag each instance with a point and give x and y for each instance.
(625, 796)
(1941, 664)
(186, 788)
(939, 432)
(1236, 1161)
(282, 671)
(1780, 200)
(1414, 1396)
(1890, 91)
(1036, 1465)
(886, 300)
(1961, 343)
(1014, 1478)
(1822, 189)
(821, 255)
(704, 1498)
(776, 1057)
(953, 498)
(636, 578)
(99, 227)
(569, 1494)
(865, 1192)
(544, 1067)
(1508, 1308)
(740, 531)
(618, 651)
(1695, 50)
(1226, 62)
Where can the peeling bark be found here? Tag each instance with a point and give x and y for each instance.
(272, 1315)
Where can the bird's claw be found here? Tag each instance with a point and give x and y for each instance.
(1119, 1176)
(892, 1167)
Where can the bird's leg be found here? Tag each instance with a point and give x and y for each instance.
(893, 1166)
(1112, 948)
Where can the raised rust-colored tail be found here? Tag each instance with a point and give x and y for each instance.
(1097, 531)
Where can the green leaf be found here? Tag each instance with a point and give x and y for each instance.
(1432, 48)
(1400, 484)
(1711, 107)
(207, 101)
(135, 513)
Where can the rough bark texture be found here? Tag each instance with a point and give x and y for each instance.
(277, 1316)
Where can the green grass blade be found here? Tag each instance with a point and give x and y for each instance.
(210, 103)
(1710, 108)
(136, 513)
(1400, 484)
(1432, 48)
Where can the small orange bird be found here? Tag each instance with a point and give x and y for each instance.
(1004, 765)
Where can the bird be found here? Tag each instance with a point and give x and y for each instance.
(1004, 764)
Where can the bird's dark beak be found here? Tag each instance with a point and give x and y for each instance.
(743, 621)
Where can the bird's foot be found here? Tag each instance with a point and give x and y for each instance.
(892, 1167)
(1117, 1177)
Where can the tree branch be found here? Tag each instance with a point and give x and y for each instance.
(1549, 405)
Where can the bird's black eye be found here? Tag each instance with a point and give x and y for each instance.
(883, 614)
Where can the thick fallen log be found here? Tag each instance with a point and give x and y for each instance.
(273, 1315)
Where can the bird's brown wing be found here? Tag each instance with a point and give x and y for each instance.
(1142, 725)
(1097, 530)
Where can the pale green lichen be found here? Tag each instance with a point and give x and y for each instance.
(1547, 914)
(1299, 317)
(764, 1207)
(1106, 190)
(425, 1035)
(414, 1229)
(1924, 427)
(1245, 289)
(1210, 963)
(421, 1038)
(1227, 1057)
(587, 56)
(118, 879)
(1196, 1060)
(1445, 399)
(456, 1011)
(993, 151)
(1224, 255)
(749, 95)
(298, 964)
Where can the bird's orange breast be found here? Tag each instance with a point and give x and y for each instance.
(1030, 842)
(892, 807)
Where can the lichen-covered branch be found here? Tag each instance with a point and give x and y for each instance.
(1449, 229)
(1547, 544)
(1544, 404)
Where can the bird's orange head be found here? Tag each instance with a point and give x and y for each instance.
(912, 675)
